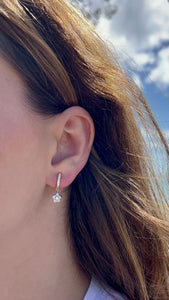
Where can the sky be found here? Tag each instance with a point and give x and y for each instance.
(140, 32)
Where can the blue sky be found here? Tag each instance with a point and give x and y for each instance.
(140, 32)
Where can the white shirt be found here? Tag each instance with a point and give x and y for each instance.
(96, 292)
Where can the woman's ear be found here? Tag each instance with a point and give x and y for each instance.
(73, 135)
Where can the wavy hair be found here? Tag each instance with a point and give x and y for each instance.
(117, 228)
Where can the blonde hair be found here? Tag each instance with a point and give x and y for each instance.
(117, 228)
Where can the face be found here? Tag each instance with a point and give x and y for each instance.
(22, 152)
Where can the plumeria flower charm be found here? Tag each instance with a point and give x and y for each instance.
(56, 198)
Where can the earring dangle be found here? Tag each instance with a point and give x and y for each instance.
(57, 197)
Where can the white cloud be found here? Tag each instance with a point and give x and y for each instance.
(136, 29)
(139, 24)
(160, 73)
(139, 30)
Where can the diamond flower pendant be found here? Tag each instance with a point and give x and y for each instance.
(56, 198)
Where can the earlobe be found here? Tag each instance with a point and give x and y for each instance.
(73, 145)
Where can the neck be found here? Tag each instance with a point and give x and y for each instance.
(37, 263)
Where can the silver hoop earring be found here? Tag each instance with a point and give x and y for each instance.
(57, 197)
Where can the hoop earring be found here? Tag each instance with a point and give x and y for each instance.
(57, 197)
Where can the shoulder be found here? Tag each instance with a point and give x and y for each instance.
(96, 292)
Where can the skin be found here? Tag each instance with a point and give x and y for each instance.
(35, 257)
